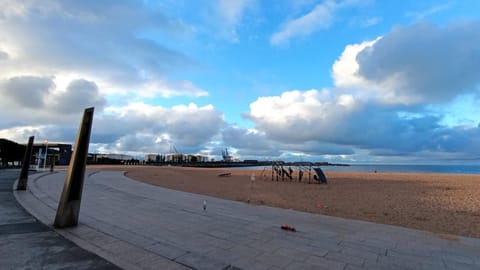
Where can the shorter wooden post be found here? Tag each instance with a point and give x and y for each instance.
(23, 179)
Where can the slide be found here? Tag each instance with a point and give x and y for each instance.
(320, 177)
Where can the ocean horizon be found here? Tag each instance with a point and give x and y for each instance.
(403, 168)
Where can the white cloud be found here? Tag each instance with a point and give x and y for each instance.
(297, 116)
(429, 12)
(328, 122)
(320, 17)
(345, 69)
(230, 14)
(20, 134)
(171, 88)
(232, 10)
(370, 22)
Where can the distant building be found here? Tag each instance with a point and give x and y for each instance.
(108, 158)
(61, 153)
(116, 156)
(197, 158)
(175, 158)
(153, 158)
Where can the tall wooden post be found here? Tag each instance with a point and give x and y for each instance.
(69, 206)
(23, 179)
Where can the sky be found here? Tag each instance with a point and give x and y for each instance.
(350, 81)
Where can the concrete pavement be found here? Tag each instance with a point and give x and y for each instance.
(139, 226)
(26, 243)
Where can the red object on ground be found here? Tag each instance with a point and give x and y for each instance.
(288, 228)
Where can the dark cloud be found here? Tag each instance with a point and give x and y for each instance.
(257, 145)
(111, 40)
(137, 143)
(27, 91)
(79, 94)
(293, 124)
(188, 128)
(248, 143)
(3, 55)
(425, 63)
(37, 101)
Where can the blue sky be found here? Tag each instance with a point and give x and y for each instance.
(355, 81)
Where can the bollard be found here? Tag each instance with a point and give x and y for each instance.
(69, 206)
(52, 163)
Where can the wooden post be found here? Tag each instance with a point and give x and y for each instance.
(23, 179)
(69, 206)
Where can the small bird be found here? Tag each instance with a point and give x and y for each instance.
(204, 205)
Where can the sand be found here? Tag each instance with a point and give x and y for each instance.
(438, 203)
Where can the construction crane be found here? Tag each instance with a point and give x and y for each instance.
(173, 149)
(226, 156)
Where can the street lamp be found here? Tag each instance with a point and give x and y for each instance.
(46, 154)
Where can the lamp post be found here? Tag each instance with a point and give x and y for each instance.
(39, 158)
(46, 155)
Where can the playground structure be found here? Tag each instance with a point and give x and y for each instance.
(301, 173)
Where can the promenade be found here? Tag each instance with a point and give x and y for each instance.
(139, 226)
(26, 243)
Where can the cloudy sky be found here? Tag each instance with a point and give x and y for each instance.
(355, 81)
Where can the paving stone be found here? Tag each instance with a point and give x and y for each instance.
(365, 254)
(459, 265)
(382, 265)
(427, 261)
(400, 262)
(329, 264)
(293, 252)
(226, 255)
(451, 257)
(200, 262)
(155, 262)
(305, 266)
(343, 257)
(325, 244)
(166, 250)
(275, 260)
(433, 266)
(353, 267)
(362, 247)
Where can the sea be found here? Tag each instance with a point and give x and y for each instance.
(388, 168)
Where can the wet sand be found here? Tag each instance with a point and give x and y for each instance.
(438, 203)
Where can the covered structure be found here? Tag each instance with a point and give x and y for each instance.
(11, 153)
(60, 152)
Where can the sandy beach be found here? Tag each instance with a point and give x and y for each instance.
(438, 203)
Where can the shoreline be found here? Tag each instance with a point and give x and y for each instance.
(438, 203)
